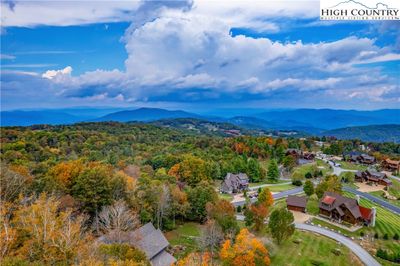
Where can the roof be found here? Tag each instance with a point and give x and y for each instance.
(163, 259)
(232, 181)
(367, 157)
(148, 239)
(328, 200)
(376, 174)
(366, 213)
(296, 201)
(352, 153)
(389, 161)
(338, 203)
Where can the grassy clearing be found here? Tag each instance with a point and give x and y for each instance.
(280, 188)
(352, 166)
(267, 182)
(300, 171)
(394, 189)
(311, 249)
(312, 206)
(184, 235)
(224, 196)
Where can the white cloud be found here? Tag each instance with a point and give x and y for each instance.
(51, 74)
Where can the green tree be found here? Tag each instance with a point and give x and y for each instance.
(198, 198)
(308, 188)
(281, 224)
(223, 212)
(92, 188)
(289, 162)
(265, 197)
(273, 171)
(255, 172)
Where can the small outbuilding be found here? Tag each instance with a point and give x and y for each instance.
(296, 203)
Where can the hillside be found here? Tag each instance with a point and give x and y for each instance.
(375, 133)
(145, 114)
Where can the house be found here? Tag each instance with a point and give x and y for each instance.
(153, 243)
(149, 240)
(234, 183)
(296, 203)
(391, 165)
(374, 177)
(308, 156)
(296, 153)
(358, 157)
(342, 209)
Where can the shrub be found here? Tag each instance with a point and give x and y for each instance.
(396, 236)
(361, 234)
(386, 236)
(308, 175)
(297, 182)
(376, 236)
(239, 208)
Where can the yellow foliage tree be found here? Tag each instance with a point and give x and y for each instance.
(246, 251)
(195, 259)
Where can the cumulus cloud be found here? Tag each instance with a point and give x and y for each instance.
(53, 74)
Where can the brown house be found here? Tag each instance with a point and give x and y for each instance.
(342, 209)
(296, 203)
(358, 157)
(308, 156)
(374, 177)
(391, 165)
(296, 153)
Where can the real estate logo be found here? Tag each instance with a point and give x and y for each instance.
(359, 10)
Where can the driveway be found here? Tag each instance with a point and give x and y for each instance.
(364, 256)
(276, 196)
(337, 170)
(378, 201)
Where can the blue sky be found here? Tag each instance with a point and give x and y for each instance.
(194, 55)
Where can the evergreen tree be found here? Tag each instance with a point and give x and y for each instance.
(308, 188)
(273, 171)
(281, 224)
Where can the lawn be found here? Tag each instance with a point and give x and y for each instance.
(184, 235)
(312, 206)
(266, 182)
(352, 166)
(306, 248)
(394, 189)
(224, 196)
(300, 171)
(279, 188)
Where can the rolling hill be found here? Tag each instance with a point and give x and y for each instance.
(375, 133)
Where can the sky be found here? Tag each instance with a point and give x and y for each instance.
(194, 55)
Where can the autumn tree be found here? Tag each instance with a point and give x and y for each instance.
(64, 173)
(331, 183)
(223, 212)
(12, 183)
(246, 250)
(273, 171)
(308, 188)
(191, 170)
(259, 214)
(195, 259)
(48, 236)
(211, 237)
(281, 224)
(265, 197)
(8, 234)
(115, 221)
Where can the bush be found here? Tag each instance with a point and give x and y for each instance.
(122, 252)
(361, 234)
(376, 236)
(386, 236)
(396, 236)
(308, 175)
(297, 182)
(239, 208)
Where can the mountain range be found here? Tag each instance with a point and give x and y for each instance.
(311, 121)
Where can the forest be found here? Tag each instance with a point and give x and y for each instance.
(63, 187)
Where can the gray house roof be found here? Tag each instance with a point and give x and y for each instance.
(153, 243)
(234, 181)
(336, 201)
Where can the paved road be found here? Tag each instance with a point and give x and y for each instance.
(378, 201)
(364, 256)
(276, 196)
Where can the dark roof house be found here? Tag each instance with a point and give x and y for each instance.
(374, 177)
(296, 203)
(234, 183)
(151, 241)
(391, 165)
(340, 208)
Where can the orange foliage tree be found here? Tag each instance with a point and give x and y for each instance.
(195, 259)
(246, 251)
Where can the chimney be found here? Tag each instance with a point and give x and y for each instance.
(358, 199)
(373, 218)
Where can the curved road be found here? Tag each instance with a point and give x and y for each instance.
(364, 256)
(377, 200)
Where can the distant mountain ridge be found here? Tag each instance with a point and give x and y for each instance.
(310, 121)
(374, 133)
